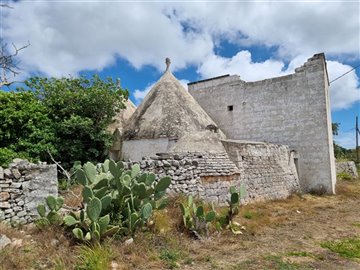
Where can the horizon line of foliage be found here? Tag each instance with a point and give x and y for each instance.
(68, 116)
(340, 152)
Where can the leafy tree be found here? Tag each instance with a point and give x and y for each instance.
(68, 116)
(80, 110)
(25, 129)
(335, 128)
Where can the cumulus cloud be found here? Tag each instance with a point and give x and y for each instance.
(140, 94)
(343, 92)
(241, 64)
(68, 37)
(297, 28)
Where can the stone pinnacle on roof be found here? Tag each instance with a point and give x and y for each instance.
(167, 62)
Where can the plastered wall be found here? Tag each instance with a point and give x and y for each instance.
(292, 110)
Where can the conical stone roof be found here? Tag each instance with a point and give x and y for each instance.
(120, 119)
(168, 110)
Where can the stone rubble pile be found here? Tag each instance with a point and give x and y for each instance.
(347, 167)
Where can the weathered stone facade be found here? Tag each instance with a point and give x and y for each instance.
(293, 110)
(266, 171)
(24, 185)
(347, 167)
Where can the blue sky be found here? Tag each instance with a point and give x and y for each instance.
(203, 39)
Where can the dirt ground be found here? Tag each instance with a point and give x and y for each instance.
(287, 234)
(283, 234)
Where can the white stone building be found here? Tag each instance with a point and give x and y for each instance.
(277, 132)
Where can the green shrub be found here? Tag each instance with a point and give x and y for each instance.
(80, 111)
(7, 155)
(171, 257)
(68, 116)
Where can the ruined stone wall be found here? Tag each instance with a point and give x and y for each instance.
(23, 186)
(293, 110)
(210, 175)
(268, 170)
(347, 167)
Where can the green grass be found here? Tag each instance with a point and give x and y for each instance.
(94, 258)
(280, 264)
(170, 257)
(248, 214)
(344, 176)
(349, 248)
(299, 254)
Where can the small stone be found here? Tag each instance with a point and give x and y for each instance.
(114, 265)
(8, 174)
(4, 241)
(16, 173)
(17, 243)
(4, 196)
(4, 205)
(20, 203)
(1, 173)
(16, 185)
(54, 242)
(129, 241)
(166, 163)
(21, 213)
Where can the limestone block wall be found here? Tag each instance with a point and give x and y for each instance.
(24, 185)
(293, 110)
(210, 175)
(348, 167)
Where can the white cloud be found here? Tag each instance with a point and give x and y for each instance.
(140, 94)
(297, 28)
(67, 37)
(240, 64)
(343, 92)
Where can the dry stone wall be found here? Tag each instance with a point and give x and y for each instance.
(210, 175)
(268, 170)
(347, 167)
(24, 185)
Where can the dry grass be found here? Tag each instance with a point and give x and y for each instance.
(283, 234)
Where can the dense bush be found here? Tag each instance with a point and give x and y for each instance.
(25, 128)
(68, 116)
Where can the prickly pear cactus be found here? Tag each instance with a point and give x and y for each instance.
(127, 198)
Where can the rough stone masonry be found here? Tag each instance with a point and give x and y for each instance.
(267, 171)
(24, 185)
